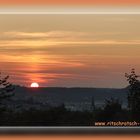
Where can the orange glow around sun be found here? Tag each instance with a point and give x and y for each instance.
(34, 85)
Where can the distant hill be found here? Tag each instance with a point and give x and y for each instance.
(59, 95)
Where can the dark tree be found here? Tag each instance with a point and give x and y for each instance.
(134, 94)
(6, 88)
(112, 111)
(112, 105)
(93, 104)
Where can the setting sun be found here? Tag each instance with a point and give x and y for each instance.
(35, 85)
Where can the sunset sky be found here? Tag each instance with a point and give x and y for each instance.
(72, 50)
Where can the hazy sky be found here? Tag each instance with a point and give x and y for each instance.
(69, 50)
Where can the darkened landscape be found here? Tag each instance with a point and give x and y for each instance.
(21, 106)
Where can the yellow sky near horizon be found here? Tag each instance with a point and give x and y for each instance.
(69, 50)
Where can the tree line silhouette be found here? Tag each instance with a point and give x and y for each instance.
(60, 116)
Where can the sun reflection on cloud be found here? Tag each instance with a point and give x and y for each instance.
(78, 50)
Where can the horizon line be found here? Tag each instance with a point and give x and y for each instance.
(70, 87)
